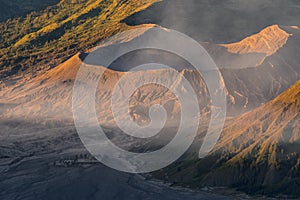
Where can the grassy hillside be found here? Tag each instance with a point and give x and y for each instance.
(257, 152)
(45, 38)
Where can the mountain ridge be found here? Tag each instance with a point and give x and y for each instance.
(267, 41)
(243, 91)
(257, 152)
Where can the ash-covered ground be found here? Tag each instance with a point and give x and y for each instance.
(36, 162)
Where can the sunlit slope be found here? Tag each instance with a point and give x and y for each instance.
(49, 93)
(262, 146)
(271, 76)
(49, 96)
(46, 38)
(273, 123)
(268, 41)
(258, 151)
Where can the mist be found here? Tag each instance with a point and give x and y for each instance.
(219, 21)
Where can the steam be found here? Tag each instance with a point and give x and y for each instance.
(222, 21)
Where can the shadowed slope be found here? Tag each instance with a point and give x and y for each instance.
(257, 152)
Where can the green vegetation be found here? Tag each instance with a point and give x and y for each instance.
(44, 39)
